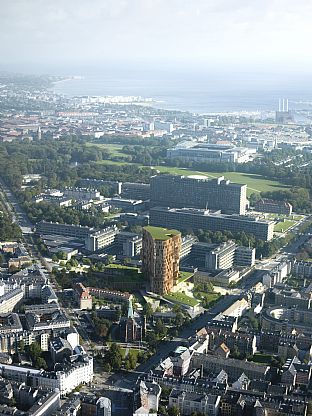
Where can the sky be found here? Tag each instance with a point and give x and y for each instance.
(268, 34)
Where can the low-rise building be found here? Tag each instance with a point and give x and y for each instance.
(9, 300)
(83, 297)
(276, 207)
(45, 317)
(234, 368)
(188, 403)
(65, 379)
(10, 323)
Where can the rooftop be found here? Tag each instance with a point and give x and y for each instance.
(159, 233)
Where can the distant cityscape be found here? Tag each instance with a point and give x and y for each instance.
(152, 261)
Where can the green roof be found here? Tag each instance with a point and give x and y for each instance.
(159, 233)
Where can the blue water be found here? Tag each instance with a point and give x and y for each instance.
(197, 92)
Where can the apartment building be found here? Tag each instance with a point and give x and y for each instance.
(190, 402)
(160, 258)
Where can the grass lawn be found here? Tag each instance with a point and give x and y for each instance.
(114, 149)
(160, 233)
(293, 217)
(182, 298)
(112, 162)
(283, 225)
(255, 183)
(210, 296)
(183, 276)
(120, 266)
(135, 351)
(262, 358)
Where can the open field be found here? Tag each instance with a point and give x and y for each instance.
(284, 225)
(255, 183)
(114, 149)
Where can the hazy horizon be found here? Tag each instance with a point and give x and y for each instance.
(269, 37)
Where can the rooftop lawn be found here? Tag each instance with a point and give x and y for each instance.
(284, 225)
(183, 276)
(181, 298)
(121, 266)
(159, 233)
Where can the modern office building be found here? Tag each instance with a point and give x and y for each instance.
(196, 219)
(82, 194)
(132, 247)
(198, 192)
(133, 190)
(101, 239)
(245, 256)
(187, 244)
(128, 205)
(132, 218)
(210, 152)
(160, 258)
(68, 230)
(222, 257)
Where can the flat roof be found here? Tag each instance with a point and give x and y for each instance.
(159, 233)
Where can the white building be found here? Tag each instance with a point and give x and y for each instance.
(66, 380)
(9, 300)
(101, 239)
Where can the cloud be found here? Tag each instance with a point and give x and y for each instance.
(193, 31)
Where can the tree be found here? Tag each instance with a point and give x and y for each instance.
(21, 346)
(55, 258)
(115, 356)
(41, 363)
(148, 310)
(174, 411)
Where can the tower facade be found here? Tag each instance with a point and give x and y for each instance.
(160, 258)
